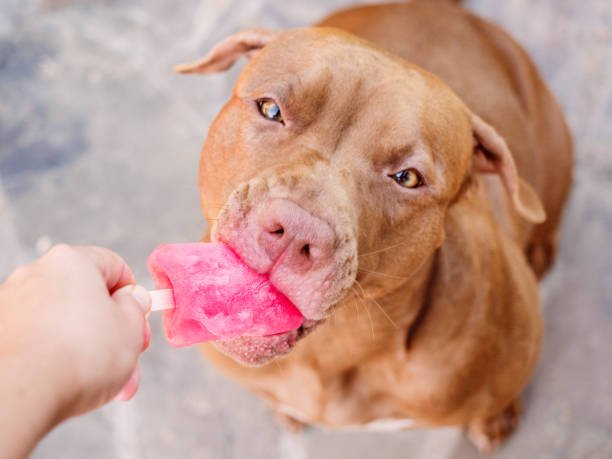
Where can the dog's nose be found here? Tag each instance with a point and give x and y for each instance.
(300, 238)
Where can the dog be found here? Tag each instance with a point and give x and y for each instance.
(399, 171)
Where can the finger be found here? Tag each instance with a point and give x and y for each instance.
(131, 386)
(134, 303)
(147, 336)
(114, 270)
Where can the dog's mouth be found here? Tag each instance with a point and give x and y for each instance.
(314, 280)
(258, 350)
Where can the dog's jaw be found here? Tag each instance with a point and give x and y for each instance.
(259, 350)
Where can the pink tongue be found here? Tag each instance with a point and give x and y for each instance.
(217, 295)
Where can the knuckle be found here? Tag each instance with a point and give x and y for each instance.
(60, 249)
(22, 272)
(60, 252)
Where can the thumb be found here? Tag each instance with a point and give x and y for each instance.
(135, 303)
(133, 295)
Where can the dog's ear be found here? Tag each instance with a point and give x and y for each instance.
(492, 155)
(225, 53)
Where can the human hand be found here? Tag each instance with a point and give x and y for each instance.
(74, 323)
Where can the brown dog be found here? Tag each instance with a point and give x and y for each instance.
(379, 198)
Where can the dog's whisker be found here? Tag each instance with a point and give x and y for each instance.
(370, 319)
(284, 372)
(385, 313)
(392, 276)
(356, 302)
(365, 306)
(355, 305)
(358, 284)
(382, 250)
(357, 297)
(377, 304)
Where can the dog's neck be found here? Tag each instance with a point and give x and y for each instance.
(364, 325)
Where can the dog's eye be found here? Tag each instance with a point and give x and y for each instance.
(269, 109)
(408, 178)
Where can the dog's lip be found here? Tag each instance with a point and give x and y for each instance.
(215, 238)
(260, 350)
(307, 326)
(273, 346)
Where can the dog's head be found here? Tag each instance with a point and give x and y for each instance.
(333, 160)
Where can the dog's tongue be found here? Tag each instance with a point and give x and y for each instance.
(216, 295)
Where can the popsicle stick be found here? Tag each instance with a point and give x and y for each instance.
(161, 299)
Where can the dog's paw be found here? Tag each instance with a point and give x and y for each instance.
(487, 434)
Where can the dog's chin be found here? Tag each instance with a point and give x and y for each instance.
(259, 350)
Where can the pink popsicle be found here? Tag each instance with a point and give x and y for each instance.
(216, 295)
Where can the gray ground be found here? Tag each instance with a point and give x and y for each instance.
(99, 143)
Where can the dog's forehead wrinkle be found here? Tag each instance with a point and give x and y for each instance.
(333, 44)
(391, 116)
(286, 86)
(356, 127)
(311, 58)
(372, 94)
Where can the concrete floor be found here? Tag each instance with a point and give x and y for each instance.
(99, 143)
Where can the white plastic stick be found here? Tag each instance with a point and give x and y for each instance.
(162, 299)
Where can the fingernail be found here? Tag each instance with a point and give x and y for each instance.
(147, 337)
(143, 298)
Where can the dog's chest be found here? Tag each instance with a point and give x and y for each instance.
(340, 402)
(377, 425)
